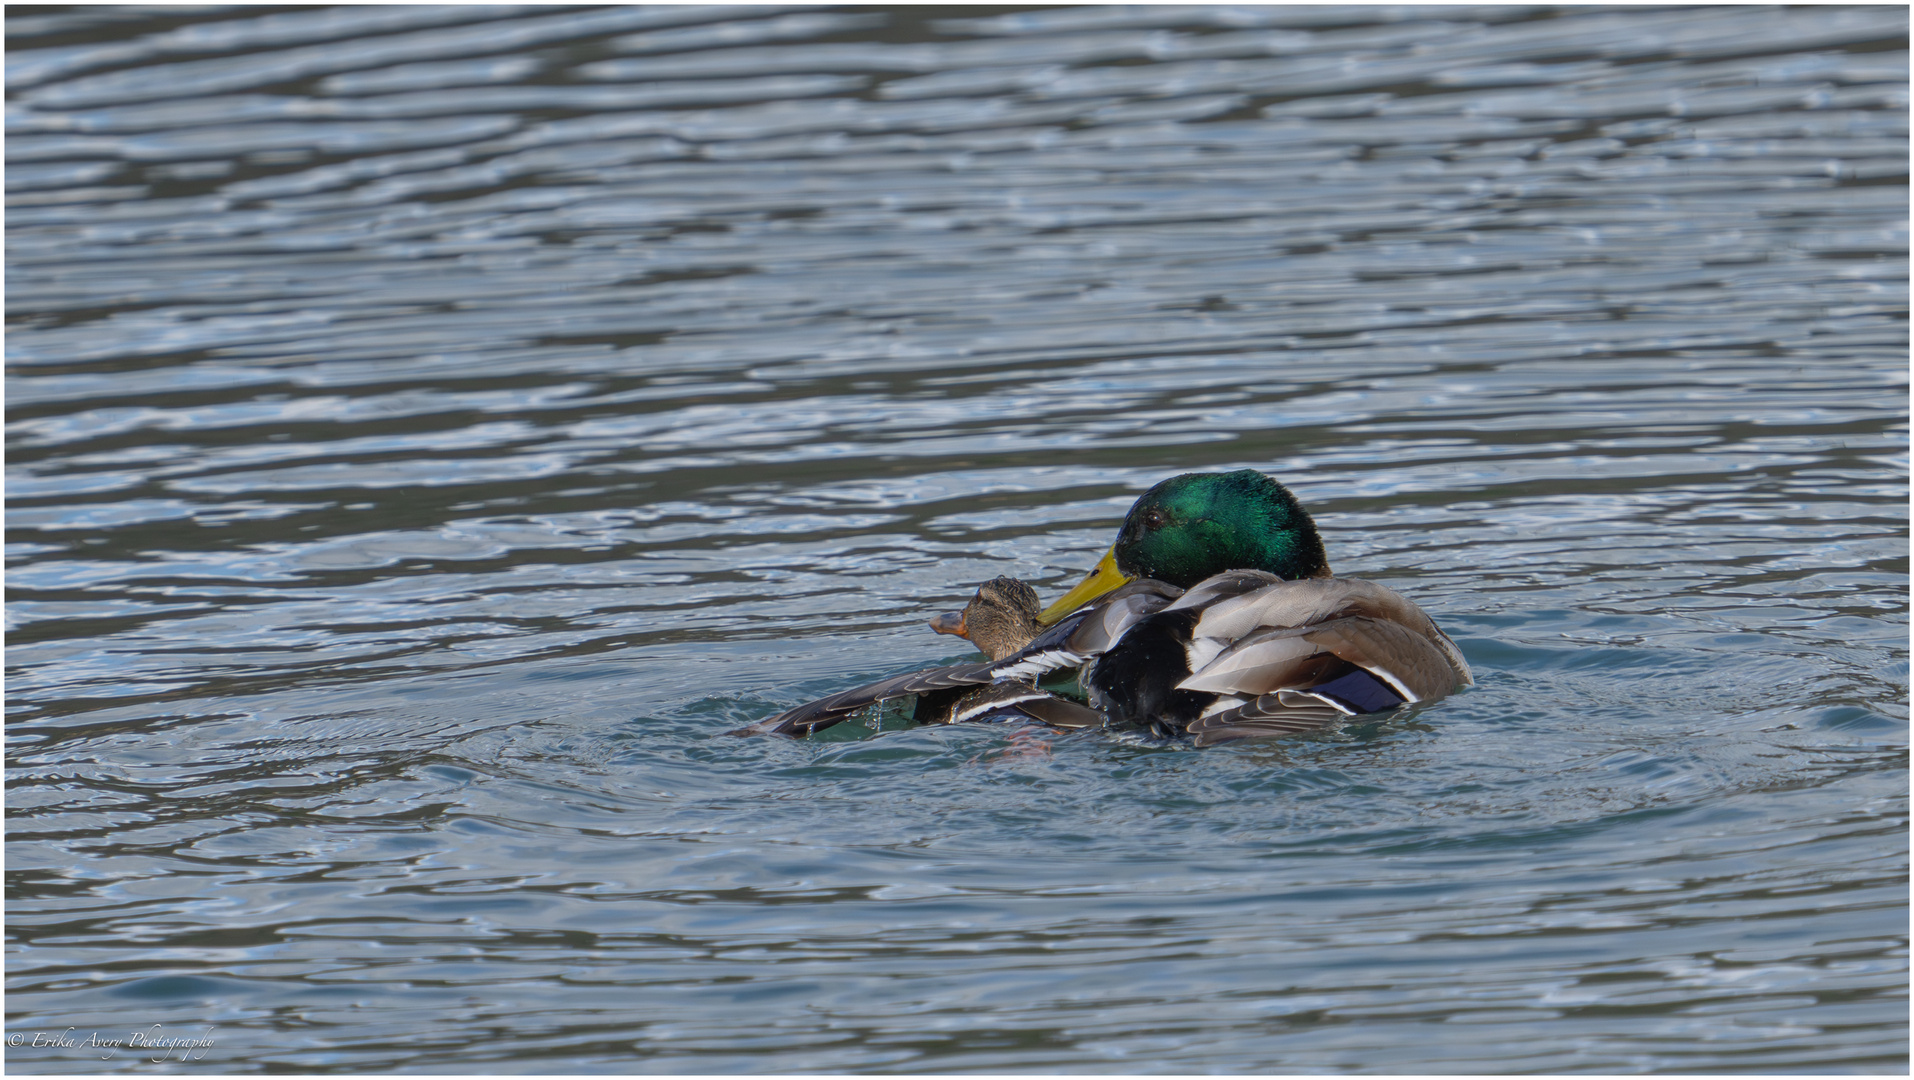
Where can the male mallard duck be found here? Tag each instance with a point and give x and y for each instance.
(1213, 614)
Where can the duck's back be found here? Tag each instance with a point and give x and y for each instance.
(1245, 653)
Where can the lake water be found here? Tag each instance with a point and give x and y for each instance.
(430, 428)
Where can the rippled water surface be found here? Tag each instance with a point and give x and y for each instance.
(431, 427)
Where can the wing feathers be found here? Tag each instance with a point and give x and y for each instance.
(1283, 713)
(1109, 620)
(827, 711)
(1230, 583)
(1409, 662)
(1257, 665)
(1269, 635)
(1059, 712)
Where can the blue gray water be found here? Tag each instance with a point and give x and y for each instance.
(431, 427)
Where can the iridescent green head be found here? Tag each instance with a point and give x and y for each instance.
(1196, 525)
(1192, 526)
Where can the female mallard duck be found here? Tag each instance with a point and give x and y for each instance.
(1214, 614)
(1000, 620)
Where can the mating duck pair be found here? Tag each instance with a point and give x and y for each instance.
(1214, 615)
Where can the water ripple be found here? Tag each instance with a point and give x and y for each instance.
(430, 427)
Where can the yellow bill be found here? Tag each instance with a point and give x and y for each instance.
(1105, 578)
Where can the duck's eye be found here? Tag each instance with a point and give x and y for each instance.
(1153, 519)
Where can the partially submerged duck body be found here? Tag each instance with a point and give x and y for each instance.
(1001, 619)
(1214, 615)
